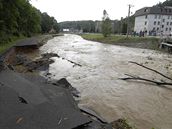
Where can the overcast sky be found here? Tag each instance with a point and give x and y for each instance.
(72, 10)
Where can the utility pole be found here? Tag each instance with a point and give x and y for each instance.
(129, 8)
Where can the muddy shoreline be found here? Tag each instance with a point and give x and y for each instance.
(29, 62)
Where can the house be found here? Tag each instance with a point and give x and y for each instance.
(154, 20)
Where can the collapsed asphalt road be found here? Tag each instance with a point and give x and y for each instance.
(29, 102)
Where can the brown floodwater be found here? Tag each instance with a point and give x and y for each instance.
(144, 105)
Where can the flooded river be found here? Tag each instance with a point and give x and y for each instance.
(144, 105)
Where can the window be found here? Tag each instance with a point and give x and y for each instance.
(166, 29)
(163, 20)
(159, 16)
(169, 10)
(162, 26)
(167, 23)
(170, 23)
(155, 16)
(154, 28)
(154, 22)
(146, 16)
(169, 29)
(168, 17)
(158, 28)
(161, 9)
(166, 10)
(146, 10)
(158, 22)
(145, 23)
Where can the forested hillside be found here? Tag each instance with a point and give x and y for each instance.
(19, 17)
(86, 26)
(165, 3)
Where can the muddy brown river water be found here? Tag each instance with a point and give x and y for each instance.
(144, 105)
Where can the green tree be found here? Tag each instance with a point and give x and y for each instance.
(29, 20)
(19, 17)
(8, 18)
(165, 3)
(46, 23)
(124, 28)
(106, 24)
(33, 25)
(56, 26)
(86, 26)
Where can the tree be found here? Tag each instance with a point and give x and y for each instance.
(124, 28)
(29, 18)
(56, 26)
(33, 25)
(86, 26)
(46, 23)
(106, 24)
(165, 3)
(19, 17)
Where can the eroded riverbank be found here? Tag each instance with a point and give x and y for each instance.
(143, 104)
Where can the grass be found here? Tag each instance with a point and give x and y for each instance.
(135, 42)
(118, 38)
(122, 124)
(5, 46)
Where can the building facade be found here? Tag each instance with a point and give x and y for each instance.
(154, 21)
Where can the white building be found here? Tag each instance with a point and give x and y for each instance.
(154, 20)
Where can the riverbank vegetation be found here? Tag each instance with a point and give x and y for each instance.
(122, 124)
(139, 42)
(18, 18)
(106, 24)
(13, 40)
(118, 38)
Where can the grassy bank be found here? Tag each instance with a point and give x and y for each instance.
(42, 39)
(138, 42)
(5, 46)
